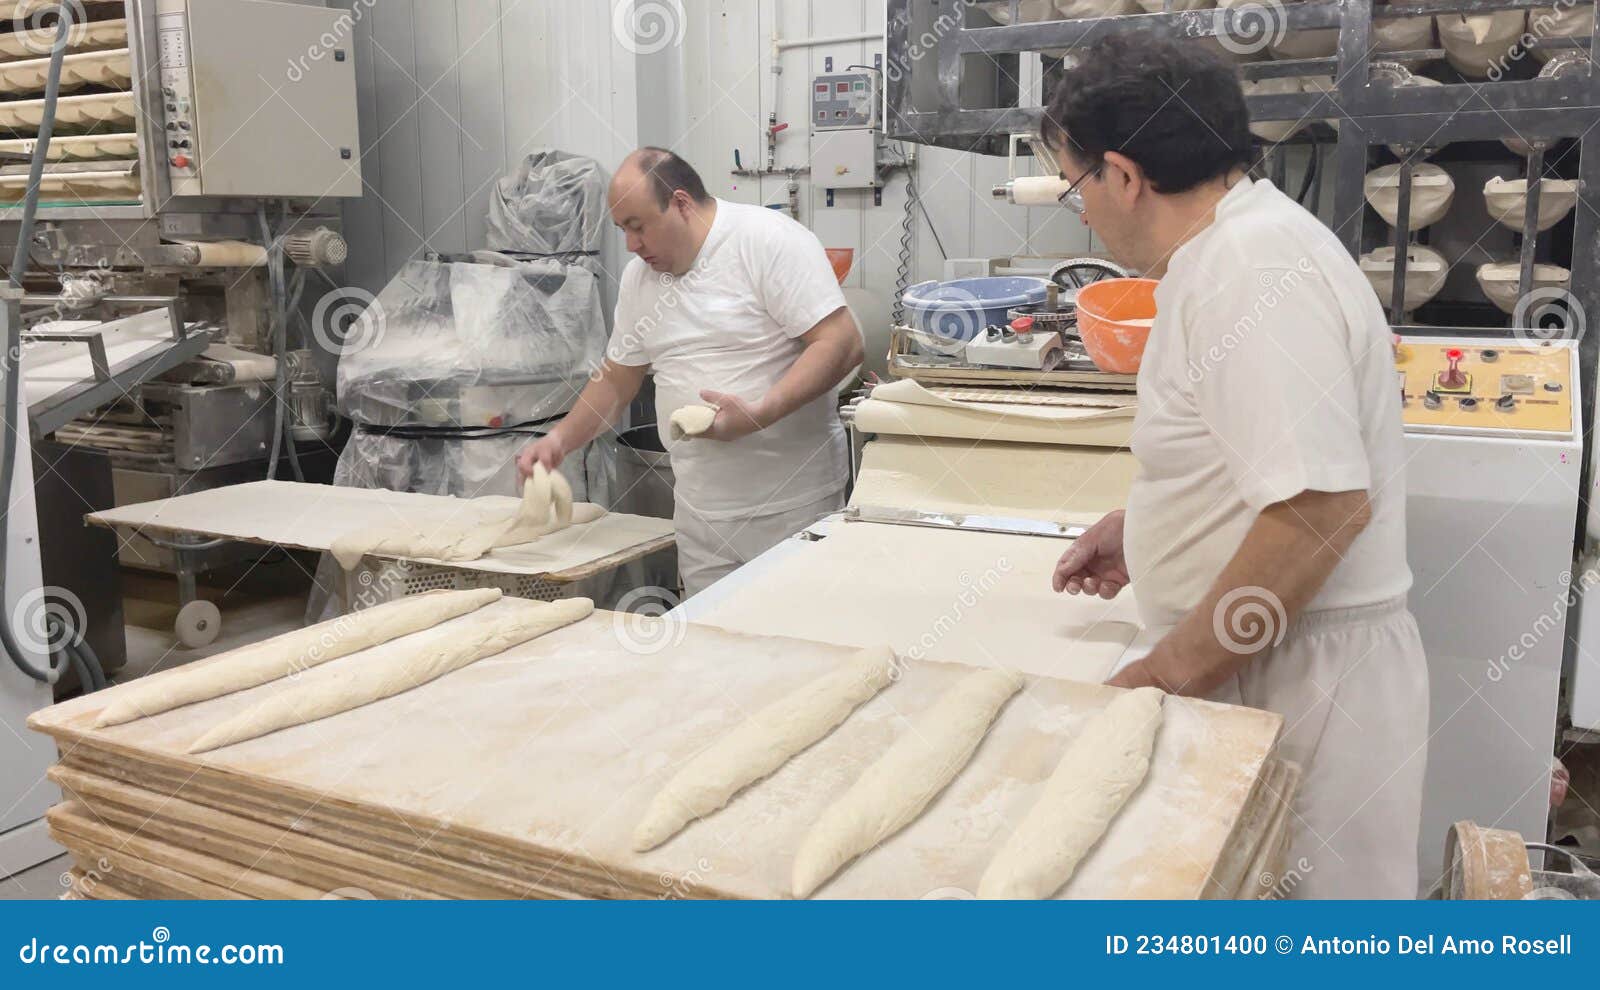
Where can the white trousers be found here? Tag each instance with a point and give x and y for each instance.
(709, 551)
(1352, 687)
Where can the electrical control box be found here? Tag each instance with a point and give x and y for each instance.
(846, 159)
(258, 99)
(844, 100)
(846, 130)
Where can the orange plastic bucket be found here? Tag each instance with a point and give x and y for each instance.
(842, 260)
(1114, 319)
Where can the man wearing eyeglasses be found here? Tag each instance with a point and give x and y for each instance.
(1266, 526)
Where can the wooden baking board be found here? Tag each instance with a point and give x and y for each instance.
(311, 517)
(983, 598)
(549, 753)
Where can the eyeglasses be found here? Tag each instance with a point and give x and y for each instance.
(1072, 199)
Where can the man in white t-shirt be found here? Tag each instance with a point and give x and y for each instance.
(1265, 531)
(734, 307)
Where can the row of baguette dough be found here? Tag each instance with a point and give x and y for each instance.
(412, 663)
(1099, 771)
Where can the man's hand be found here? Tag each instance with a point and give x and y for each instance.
(1094, 565)
(736, 418)
(547, 450)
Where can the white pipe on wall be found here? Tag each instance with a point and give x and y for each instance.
(837, 39)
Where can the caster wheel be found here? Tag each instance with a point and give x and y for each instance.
(199, 624)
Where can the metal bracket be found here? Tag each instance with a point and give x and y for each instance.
(965, 523)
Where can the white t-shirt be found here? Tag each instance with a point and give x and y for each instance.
(731, 324)
(1269, 372)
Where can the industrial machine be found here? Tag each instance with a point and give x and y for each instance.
(1495, 450)
(190, 156)
(159, 203)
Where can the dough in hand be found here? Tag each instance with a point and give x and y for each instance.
(892, 792)
(691, 421)
(1100, 770)
(467, 532)
(407, 665)
(761, 744)
(292, 652)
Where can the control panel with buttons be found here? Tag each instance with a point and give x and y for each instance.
(177, 103)
(844, 100)
(1508, 387)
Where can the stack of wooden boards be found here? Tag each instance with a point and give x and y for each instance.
(526, 773)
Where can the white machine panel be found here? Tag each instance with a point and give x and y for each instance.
(1491, 511)
(259, 99)
(24, 756)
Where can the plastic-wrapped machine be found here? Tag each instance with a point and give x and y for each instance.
(462, 346)
(553, 204)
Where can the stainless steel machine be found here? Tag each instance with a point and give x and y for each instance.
(192, 158)
(199, 154)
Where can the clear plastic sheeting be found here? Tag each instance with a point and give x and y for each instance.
(462, 345)
(553, 204)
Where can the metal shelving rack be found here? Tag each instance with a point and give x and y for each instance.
(954, 86)
(975, 68)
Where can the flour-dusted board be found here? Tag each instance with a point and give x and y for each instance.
(311, 517)
(971, 597)
(550, 752)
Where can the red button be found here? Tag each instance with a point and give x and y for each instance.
(1453, 354)
(180, 161)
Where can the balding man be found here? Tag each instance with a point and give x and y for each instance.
(734, 307)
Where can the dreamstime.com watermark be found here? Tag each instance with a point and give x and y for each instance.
(1550, 620)
(921, 45)
(330, 41)
(682, 885)
(1282, 887)
(374, 591)
(644, 621)
(347, 320)
(972, 592)
(645, 27)
(1276, 286)
(1248, 620)
(1556, 20)
(159, 951)
(47, 619)
(1250, 28)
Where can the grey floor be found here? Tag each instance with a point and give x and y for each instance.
(43, 882)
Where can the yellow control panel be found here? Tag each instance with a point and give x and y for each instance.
(1496, 385)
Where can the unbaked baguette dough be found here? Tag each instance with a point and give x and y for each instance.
(407, 666)
(467, 533)
(292, 652)
(894, 790)
(761, 744)
(691, 421)
(1100, 770)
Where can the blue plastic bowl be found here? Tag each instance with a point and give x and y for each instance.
(959, 310)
